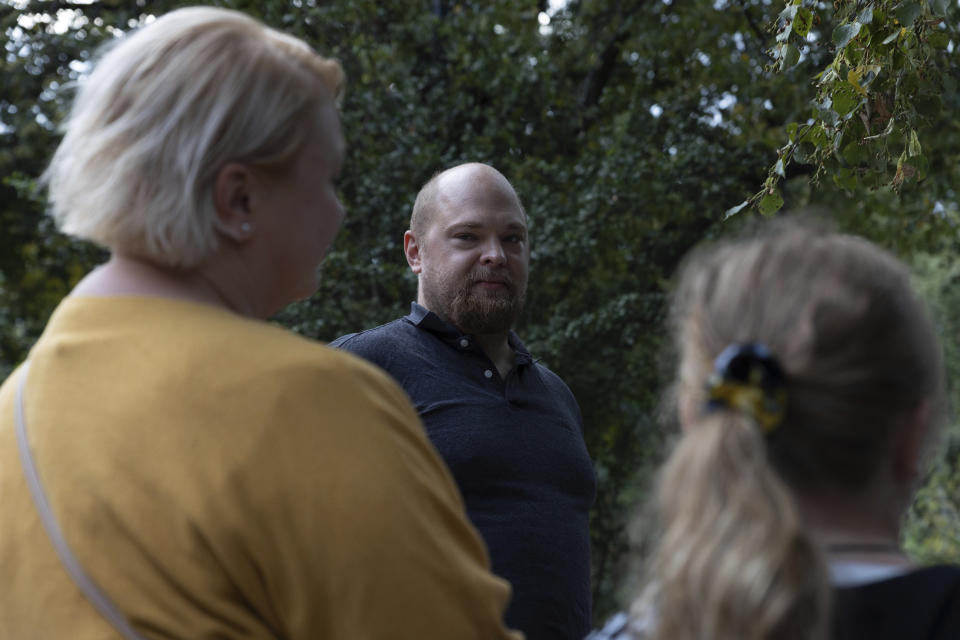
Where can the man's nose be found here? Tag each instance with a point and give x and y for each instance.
(493, 253)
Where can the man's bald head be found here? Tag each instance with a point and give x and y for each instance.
(458, 186)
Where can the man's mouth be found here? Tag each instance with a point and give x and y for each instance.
(491, 281)
(495, 286)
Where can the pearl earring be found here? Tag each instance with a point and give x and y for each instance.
(246, 227)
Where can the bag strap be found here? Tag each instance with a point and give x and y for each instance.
(86, 584)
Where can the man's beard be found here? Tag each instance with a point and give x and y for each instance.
(476, 310)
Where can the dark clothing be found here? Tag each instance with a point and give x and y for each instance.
(515, 448)
(920, 605)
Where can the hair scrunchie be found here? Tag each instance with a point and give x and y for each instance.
(746, 377)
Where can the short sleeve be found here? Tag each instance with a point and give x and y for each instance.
(349, 524)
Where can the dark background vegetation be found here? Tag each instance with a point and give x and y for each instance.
(627, 127)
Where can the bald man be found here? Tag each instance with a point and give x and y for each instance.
(509, 428)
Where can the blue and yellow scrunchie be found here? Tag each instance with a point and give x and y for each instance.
(746, 377)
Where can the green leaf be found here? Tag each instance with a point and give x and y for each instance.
(805, 153)
(920, 165)
(770, 203)
(898, 177)
(939, 7)
(869, 74)
(939, 39)
(792, 130)
(837, 141)
(845, 98)
(803, 22)
(866, 16)
(893, 36)
(914, 148)
(843, 34)
(789, 13)
(830, 117)
(732, 211)
(845, 178)
(818, 136)
(791, 56)
(825, 112)
(908, 12)
(856, 154)
(787, 23)
(784, 34)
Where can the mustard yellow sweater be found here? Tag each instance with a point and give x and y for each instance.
(220, 477)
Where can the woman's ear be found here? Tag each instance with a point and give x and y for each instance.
(910, 443)
(231, 199)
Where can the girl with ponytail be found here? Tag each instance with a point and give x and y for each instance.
(808, 389)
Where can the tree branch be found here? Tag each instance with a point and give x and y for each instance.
(598, 77)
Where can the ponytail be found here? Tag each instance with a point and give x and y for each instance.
(734, 561)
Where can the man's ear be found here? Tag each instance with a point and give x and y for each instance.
(231, 201)
(411, 248)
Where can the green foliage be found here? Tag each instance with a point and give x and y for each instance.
(887, 68)
(932, 532)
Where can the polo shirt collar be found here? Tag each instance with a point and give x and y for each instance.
(422, 318)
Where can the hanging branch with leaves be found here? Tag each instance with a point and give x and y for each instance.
(874, 98)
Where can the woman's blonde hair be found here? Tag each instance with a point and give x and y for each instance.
(858, 352)
(163, 111)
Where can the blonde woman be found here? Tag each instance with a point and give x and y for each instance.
(808, 388)
(172, 466)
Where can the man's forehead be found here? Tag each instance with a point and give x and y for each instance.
(480, 196)
(472, 220)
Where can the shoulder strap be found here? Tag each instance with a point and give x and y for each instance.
(89, 588)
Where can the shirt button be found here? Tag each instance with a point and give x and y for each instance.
(488, 374)
(464, 343)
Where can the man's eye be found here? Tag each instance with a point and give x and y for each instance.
(514, 238)
(464, 236)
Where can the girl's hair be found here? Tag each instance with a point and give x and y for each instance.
(164, 110)
(858, 353)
